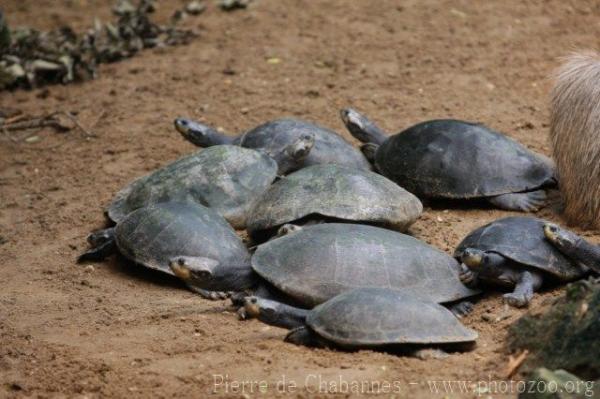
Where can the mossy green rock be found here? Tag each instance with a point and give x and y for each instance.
(567, 336)
(559, 384)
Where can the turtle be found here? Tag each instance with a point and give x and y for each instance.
(574, 247)
(154, 235)
(366, 318)
(312, 264)
(333, 192)
(455, 159)
(272, 136)
(513, 252)
(227, 178)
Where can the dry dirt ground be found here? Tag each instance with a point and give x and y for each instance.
(116, 331)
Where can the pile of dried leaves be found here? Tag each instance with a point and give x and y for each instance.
(30, 58)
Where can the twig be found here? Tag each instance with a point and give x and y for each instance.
(7, 135)
(515, 362)
(30, 124)
(73, 119)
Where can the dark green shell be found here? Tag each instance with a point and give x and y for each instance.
(272, 137)
(522, 240)
(337, 192)
(227, 178)
(456, 159)
(152, 235)
(322, 261)
(375, 316)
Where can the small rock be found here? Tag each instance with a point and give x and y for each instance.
(32, 139)
(558, 384)
(195, 8)
(487, 317)
(230, 5)
(428, 354)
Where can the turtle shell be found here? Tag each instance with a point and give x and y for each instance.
(338, 192)
(272, 137)
(379, 316)
(522, 240)
(226, 178)
(154, 234)
(456, 159)
(322, 261)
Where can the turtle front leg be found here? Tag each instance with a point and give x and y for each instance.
(528, 282)
(523, 202)
(467, 276)
(103, 245)
(306, 337)
(212, 295)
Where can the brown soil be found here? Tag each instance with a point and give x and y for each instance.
(115, 330)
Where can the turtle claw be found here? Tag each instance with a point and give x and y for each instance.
(516, 300)
(212, 295)
(535, 201)
(243, 314)
(466, 276)
(524, 202)
(215, 295)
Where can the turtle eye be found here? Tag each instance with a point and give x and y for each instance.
(181, 261)
(485, 260)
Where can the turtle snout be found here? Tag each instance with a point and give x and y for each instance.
(344, 112)
(251, 306)
(178, 268)
(551, 231)
(350, 117)
(182, 125)
(472, 258)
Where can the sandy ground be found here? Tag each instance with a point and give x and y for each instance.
(115, 330)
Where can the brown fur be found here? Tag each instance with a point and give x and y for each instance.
(575, 137)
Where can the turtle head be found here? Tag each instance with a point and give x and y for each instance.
(300, 148)
(361, 128)
(356, 124)
(260, 308)
(483, 264)
(287, 229)
(473, 258)
(195, 271)
(560, 237)
(210, 274)
(199, 134)
(292, 156)
(274, 313)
